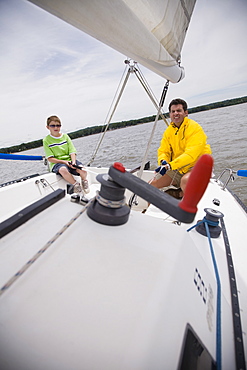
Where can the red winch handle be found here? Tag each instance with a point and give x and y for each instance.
(197, 183)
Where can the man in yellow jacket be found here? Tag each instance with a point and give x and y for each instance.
(182, 144)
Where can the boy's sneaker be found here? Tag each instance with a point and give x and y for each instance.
(75, 198)
(84, 200)
(80, 199)
(77, 188)
(85, 186)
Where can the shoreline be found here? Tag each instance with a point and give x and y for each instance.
(117, 125)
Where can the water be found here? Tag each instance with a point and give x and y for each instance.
(226, 129)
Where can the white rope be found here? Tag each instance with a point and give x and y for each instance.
(110, 203)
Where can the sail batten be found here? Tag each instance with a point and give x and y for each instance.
(150, 32)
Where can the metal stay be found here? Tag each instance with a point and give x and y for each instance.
(131, 68)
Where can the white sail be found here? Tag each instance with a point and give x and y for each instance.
(150, 32)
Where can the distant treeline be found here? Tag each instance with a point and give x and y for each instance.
(219, 104)
(116, 125)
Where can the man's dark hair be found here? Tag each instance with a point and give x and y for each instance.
(178, 101)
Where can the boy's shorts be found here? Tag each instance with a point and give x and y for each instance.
(73, 171)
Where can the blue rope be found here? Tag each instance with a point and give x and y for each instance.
(218, 314)
(21, 157)
(211, 223)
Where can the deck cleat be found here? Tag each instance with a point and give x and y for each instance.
(216, 201)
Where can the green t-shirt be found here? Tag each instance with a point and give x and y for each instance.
(58, 147)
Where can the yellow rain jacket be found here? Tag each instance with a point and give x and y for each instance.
(182, 147)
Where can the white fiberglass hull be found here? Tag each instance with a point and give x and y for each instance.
(115, 297)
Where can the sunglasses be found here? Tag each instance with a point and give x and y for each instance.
(54, 126)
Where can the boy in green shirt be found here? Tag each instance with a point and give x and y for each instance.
(61, 154)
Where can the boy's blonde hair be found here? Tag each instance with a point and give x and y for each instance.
(53, 118)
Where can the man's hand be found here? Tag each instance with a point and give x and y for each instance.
(163, 168)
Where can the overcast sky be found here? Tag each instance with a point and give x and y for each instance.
(48, 67)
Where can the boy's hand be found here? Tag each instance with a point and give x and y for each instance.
(74, 165)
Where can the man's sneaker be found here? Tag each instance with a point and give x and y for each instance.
(175, 193)
(85, 186)
(77, 188)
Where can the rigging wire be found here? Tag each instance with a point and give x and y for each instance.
(131, 67)
(112, 108)
(162, 99)
(150, 93)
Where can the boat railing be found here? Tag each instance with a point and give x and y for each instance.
(230, 177)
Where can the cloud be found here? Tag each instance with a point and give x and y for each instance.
(49, 67)
(214, 58)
